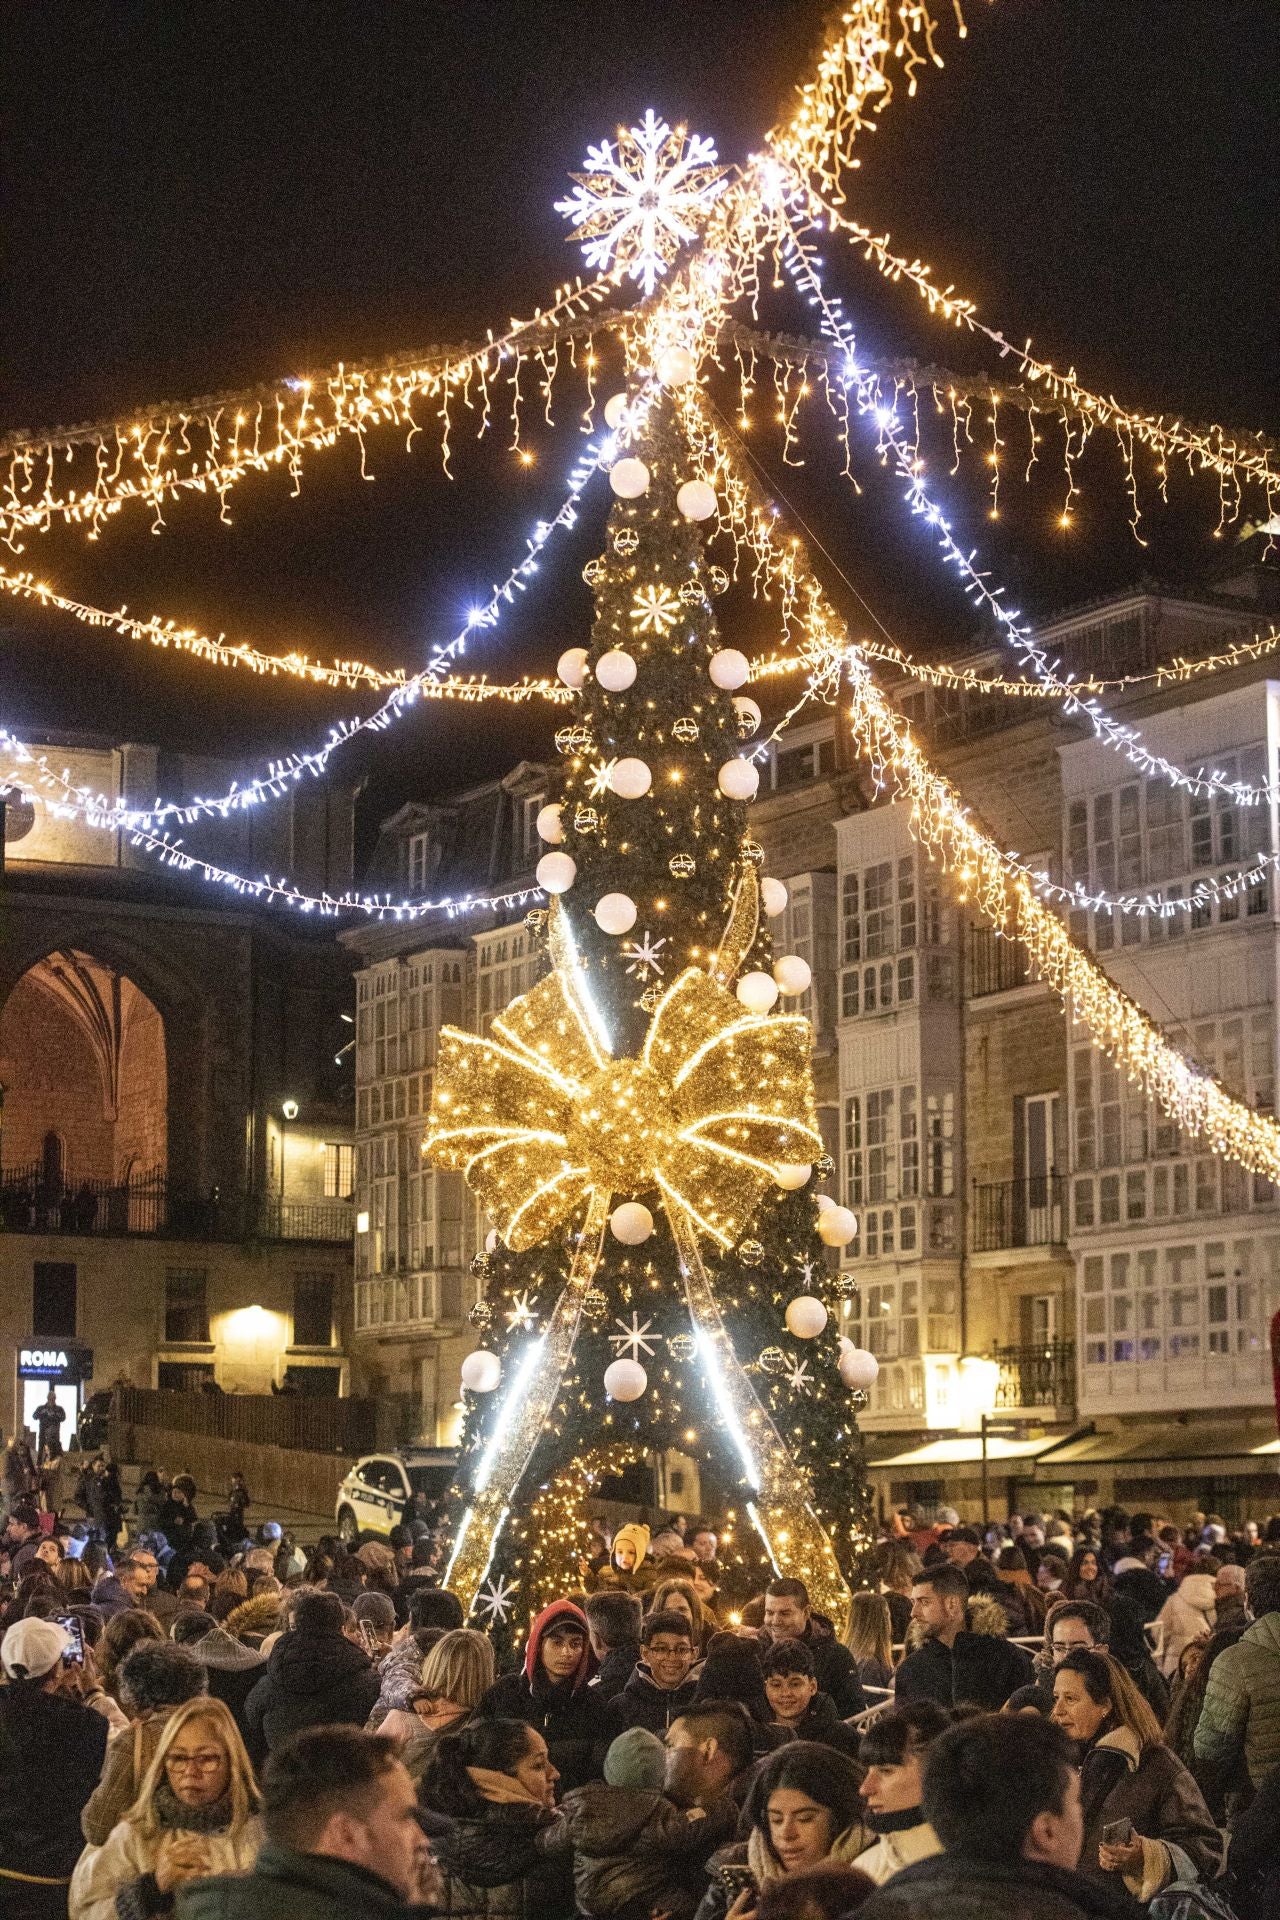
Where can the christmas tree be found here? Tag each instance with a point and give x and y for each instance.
(641, 1126)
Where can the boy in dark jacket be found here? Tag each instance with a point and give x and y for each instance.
(795, 1703)
(626, 1835)
(659, 1689)
(550, 1692)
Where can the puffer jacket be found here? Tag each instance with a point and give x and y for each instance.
(399, 1678)
(644, 1704)
(311, 1680)
(513, 1862)
(963, 1888)
(1186, 1615)
(51, 1749)
(630, 1845)
(1153, 1789)
(1240, 1720)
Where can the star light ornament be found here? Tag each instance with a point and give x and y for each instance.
(642, 198)
(497, 1599)
(654, 609)
(520, 1315)
(636, 1338)
(645, 956)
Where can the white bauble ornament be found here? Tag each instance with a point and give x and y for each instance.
(822, 1201)
(729, 669)
(615, 671)
(773, 897)
(757, 992)
(615, 913)
(858, 1369)
(625, 1379)
(550, 825)
(615, 410)
(696, 500)
(491, 1240)
(630, 779)
(572, 667)
(556, 872)
(629, 478)
(792, 974)
(481, 1371)
(631, 1223)
(837, 1226)
(739, 779)
(749, 715)
(805, 1317)
(792, 1176)
(676, 367)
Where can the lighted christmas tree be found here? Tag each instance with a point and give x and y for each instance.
(641, 1125)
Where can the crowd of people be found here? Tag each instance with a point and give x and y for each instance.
(1066, 1720)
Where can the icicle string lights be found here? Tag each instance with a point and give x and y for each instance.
(1013, 629)
(210, 445)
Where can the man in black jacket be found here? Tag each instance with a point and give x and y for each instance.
(955, 1667)
(1003, 1796)
(315, 1677)
(788, 1616)
(613, 1624)
(550, 1692)
(659, 1689)
(51, 1752)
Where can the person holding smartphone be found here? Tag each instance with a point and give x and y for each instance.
(803, 1811)
(1145, 1818)
(51, 1753)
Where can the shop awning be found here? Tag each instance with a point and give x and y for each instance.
(1207, 1447)
(965, 1450)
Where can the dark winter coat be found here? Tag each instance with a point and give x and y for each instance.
(1154, 1790)
(1240, 1719)
(835, 1670)
(295, 1886)
(981, 1670)
(630, 1846)
(233, 1670)
(312, 1680)
(512, 1862)
(643, 1704)
(567, 1713)
(1253, 1863)
(616, 1669)
(51, 1752)
(963, 1889)
(1038, 1695)
(823, 1724)
(110, 1597)
(1144, 1588)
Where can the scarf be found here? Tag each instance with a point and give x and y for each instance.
(502, 1789)
(845, 1849)
(894, 1822)
(174, 1815)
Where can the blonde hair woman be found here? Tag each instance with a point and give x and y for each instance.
(457, 1672)
(870, 1639)
(196, 1814)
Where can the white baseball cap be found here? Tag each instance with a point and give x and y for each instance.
(32, 1648)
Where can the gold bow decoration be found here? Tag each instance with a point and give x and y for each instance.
(540, 1117)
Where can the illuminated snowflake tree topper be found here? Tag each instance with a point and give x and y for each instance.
(642, 196)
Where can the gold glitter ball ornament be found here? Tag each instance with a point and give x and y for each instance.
(573, 739)
(751, 1253)
(481, 1316)
(685, 730)
(772, 1360)
(682, 1346)
(536, 922)
(595, 1304)
(626, 540)
(682, 866)
(586, 820)
(717, 580)
(693, 593)
(594, 572)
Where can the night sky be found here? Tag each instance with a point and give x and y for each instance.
(199, 196)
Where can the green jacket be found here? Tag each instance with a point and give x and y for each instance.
(1240, 1720)
(294, 1886)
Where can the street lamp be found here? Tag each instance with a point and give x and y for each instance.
(289, 1109)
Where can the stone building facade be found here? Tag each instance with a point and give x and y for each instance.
(176, 1159)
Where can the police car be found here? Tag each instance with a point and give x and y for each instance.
(385, 1490)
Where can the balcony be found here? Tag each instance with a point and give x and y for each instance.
(149, 1205)
(1042, 1376)
(994, 965)
(1019, 1213)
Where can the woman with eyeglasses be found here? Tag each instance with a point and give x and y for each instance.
(196, 1814)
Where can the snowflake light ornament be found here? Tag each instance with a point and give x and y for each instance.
(654, 609)
(645, 956)
(520, 1315)
(497, 1599)
(797, 1376)
(636, 1338)
(641, 198)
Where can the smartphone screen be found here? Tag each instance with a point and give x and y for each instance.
(369, 1637)
(1117, 1833)
(73, 1625)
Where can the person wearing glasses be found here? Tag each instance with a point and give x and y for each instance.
(196, 1814)
(1071, 1626)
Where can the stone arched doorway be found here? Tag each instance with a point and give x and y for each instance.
(84, 1068)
